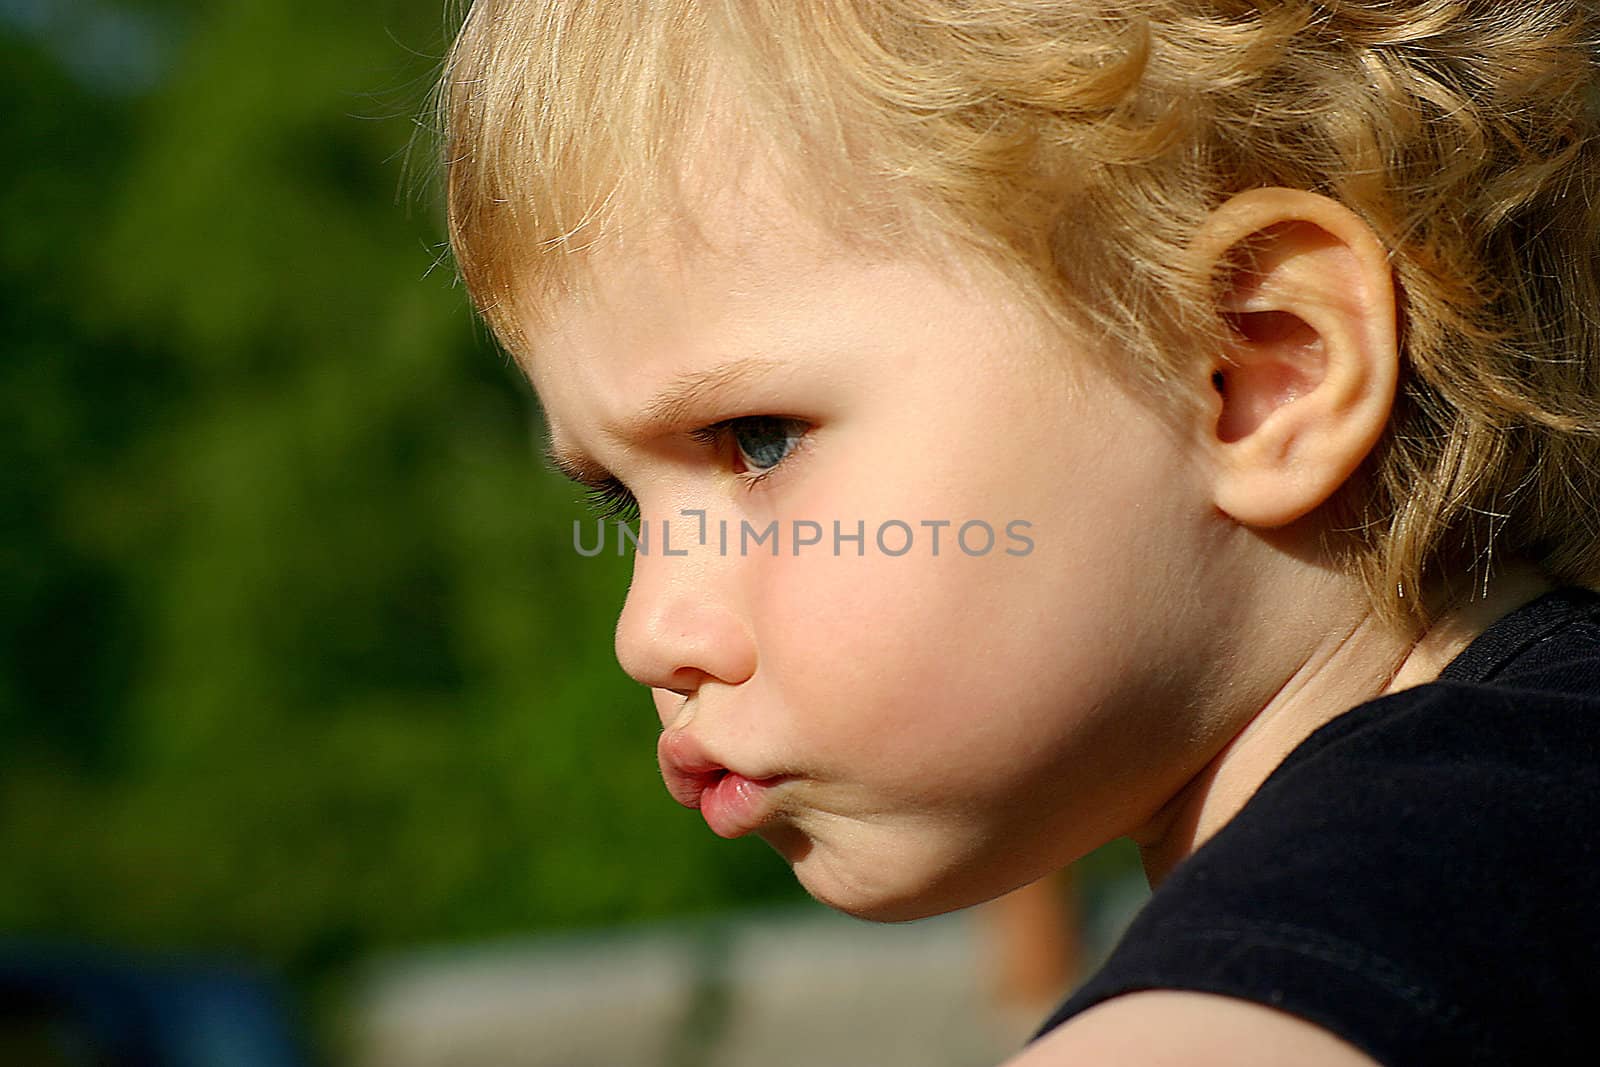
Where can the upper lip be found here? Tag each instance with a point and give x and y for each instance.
(686, 767)
(689, 770)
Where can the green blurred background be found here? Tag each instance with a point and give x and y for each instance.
(299, 664)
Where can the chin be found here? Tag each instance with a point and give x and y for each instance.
(877, 887)
(891, 911)
(906, 905)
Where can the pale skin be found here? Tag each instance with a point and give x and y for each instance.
(1173, 637)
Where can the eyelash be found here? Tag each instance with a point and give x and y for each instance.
(613, 500)
(610, 500)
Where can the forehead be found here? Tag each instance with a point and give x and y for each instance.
(643, 294)
(730, 219)
(740, 272)
(730, 195)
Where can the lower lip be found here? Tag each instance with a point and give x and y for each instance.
(734, 805)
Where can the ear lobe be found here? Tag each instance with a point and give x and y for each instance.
(1305, 386)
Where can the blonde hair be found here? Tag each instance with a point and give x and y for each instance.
(1078, 144)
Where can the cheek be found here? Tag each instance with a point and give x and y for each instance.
(916, 670)
(986, 675)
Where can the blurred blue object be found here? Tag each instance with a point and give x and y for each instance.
(77, 1007)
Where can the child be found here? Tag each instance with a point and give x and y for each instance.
(1049, 419)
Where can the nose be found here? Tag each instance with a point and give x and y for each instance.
(680, 626)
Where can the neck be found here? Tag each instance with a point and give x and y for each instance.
(1359, 661)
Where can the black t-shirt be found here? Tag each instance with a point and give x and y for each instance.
(1421, 876)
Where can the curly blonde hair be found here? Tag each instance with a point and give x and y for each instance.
(1078, 144)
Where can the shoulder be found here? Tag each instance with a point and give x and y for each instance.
(1157, 1028)
(1413, 879)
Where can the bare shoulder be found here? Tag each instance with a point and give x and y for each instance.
(1167, 1028)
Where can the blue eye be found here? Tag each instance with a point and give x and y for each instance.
(761, 441)
(764, 441)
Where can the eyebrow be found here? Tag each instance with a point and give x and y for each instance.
(682, 402)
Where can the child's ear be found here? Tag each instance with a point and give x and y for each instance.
(1305, 386)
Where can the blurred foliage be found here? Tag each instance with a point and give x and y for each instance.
(298, 659)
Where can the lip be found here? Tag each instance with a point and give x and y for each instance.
(732, 804)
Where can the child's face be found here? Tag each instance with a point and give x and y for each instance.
(913, 732)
